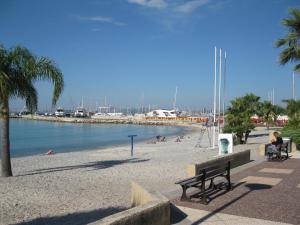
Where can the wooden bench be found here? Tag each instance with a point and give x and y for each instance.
(209, 173)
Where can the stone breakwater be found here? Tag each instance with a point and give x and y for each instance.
(125, 120)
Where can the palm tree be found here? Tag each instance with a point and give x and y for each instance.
(266, 108)
(293, 108)
(292, 51)
(19, 69)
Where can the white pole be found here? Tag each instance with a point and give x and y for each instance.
(224, 87)
(175, 98)
(215, 99)
(220, 82)
(294, 86)
(273, 97)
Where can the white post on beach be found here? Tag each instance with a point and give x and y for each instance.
(220, 83)
(132, 136)
(215, 99)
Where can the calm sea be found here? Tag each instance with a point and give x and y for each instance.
(36, 137)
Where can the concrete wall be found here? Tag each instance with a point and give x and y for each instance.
(237, 159)
(149, 208)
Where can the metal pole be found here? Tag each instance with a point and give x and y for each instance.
(294, 86)
(224, 88)
(220, 82)
(131, 137)
(215, 98)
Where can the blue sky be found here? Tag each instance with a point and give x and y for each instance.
(126, 49)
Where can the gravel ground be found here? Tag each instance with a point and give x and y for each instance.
(81, 187)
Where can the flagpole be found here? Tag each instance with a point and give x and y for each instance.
(215, 99)
(220, 82)
(224, 88)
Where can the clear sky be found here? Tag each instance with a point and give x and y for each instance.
(134, 51)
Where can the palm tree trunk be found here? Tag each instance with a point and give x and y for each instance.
(5, 163)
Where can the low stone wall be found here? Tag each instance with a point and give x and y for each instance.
(149, 208)
(237, 159)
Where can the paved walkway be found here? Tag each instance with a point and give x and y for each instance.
(267, 193)
(197, 216)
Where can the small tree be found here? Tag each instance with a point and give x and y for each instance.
(276, 111)
(265, 110)
(269, 112)
(293, 108)
(238, 117)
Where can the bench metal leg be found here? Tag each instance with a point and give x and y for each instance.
(203, 197)
(184, 196)
(212, 184)
(229, 187)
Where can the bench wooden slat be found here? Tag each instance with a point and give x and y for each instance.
(189, 179)
(215, 166)
(213, 173)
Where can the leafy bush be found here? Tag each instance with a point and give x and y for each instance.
(293, 133)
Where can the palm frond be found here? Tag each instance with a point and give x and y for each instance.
(46, 69)
(297, 68)
(23, 88)
(288, 54)
(280, 42)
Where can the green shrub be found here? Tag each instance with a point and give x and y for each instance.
(293, 133)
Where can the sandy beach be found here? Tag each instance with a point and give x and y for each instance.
(81, 187)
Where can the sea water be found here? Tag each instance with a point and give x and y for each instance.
(29, 137)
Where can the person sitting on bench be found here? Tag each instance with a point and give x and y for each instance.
(276, 143)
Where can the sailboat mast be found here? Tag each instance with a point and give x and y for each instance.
(175, 98)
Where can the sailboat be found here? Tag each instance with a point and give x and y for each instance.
(80, 111)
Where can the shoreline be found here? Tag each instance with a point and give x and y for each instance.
(115, 146)
(185, 130)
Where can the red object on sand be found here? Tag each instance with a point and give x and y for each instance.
(50, 152)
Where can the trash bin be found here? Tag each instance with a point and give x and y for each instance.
(289, 141)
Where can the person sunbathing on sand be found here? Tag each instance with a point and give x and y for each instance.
(178, 139)
(50, 152)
